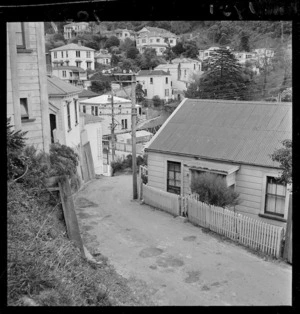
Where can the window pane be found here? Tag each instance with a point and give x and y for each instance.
(171, 175)
(280, 189)
(24, 108)
(172, 182)
(178, 176)
(280, 204)
(270, 203)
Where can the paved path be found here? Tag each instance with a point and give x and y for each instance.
(169, 262)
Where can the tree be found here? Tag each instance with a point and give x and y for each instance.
(223, 79)
(157, 102)
(284, 157)
(212, 189)
(178, 49)
(132, 53)
(112, 41)
(139, 93)
(127, 44)
(180, 27)
(244, 41)
(100, 83)
(114, 60)
(148, 59)
(190, 49)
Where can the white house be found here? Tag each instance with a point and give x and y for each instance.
(103, 57)
(64, 112)
(102, 106)
(72, 75)
(26, 82)
(156, 83)
(156, 38)
(91, 131)
(120, 33)
(73, 55)
(249, 58)
(205, 54)
(73, 29)
(264, 56)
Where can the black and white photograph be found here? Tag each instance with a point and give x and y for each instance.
(149, 163)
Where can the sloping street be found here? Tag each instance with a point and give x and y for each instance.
(170, 262)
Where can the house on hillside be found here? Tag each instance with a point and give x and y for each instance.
(120, 33)
(102, 106)
(64, 112)
(27, 98)
(86, 94)
(155, 38)
(71, 30)
(103, 57)
(73, 55)
(156, 83)
(72, 75)
(233, 139)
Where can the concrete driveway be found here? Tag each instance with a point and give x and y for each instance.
(169, 262)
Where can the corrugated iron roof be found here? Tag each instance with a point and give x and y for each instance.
(72, 47)
(58, 87)
(87, 93)
(237, 131)
(104, 99)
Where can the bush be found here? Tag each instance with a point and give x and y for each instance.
(117, 165)
(212, 189)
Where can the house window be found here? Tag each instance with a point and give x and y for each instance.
(89, 65)
(174, 177)
(275, 197)
(171, 41)
(167, 81)
(166, 92)
(78, 63)
(88, 54)
(96, 111)
(93, 110)
(194, 66)
(55, 54)
(124, 123)
(151, 80)
(157, 40)
(62, 54)
(67, 55)
(69, 116)
(78, 53)
(76, 114)
(20, 35)
(64, 73)
(83, 109)
(145, 92)
(24, 109)
(71, 74)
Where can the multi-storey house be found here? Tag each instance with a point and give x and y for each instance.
(156, 83)
(120, 33)
(73, 29)
(73, 75)
(73, 55)
(156, 38)
(27, 97)
(103, 57)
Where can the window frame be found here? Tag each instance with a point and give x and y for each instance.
(64, 73)
(55, 55)
(25, 47)
(88, 54)
(77, 54)
(69, 115)
(276, 196)
(151, 80)
(24, 118)
(76, 111)
(167, 80)
(173, 188)
(96, 110)
(167, 92)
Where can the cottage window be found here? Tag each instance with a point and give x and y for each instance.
(20, 36)
(76, 113)
(64, 73)
(151, 80)
(62, 54)
(71, 74)
(69, 116)
(96, 111)
(275, 197)
(55, 54)
(166, 92)
(93, 110)
(67, 54)
(89, 65)
(88, 54)
(174, 177)
(83, 109)
(24, 109)
(78, 64)
(124, 123)
(78, 53)
(167, 81)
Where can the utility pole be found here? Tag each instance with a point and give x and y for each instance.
(133, 136)
(112, 126)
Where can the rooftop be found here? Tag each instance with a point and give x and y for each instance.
(225, 130)
(58, 87)
(72, 47)
(104, 99)
(152, 72)
(86, 93)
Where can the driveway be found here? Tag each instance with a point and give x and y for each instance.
(169, 262)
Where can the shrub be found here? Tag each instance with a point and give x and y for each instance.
(117, 165)
(212, 189)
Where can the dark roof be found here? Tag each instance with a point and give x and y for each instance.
(72, 47)
(57, 87)
(152, 72)
(152, 123)
(236, 131)
(87, 93)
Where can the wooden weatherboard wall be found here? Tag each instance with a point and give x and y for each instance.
(250, 182)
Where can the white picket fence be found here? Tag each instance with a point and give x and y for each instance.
(160, 199)
(250, 232)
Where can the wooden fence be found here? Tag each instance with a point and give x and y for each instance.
(250, 232)
(160, 199)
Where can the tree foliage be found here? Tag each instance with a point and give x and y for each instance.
(212, 189)
(112, 41)
(284, 157)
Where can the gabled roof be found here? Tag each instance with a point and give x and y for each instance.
(72, 47)
(225, 130)
(152, 73)
(166, 66)
(58, 87)
(73, 68)
(87, 94)
(104, 99)
(154, 31)
(184, 60)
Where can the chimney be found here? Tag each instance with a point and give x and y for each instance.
(79, 43)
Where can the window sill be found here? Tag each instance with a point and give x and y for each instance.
(272, 217)
(24, 50)
(27, 120)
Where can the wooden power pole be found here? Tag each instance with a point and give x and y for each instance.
(133, 136)
(112, 127)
